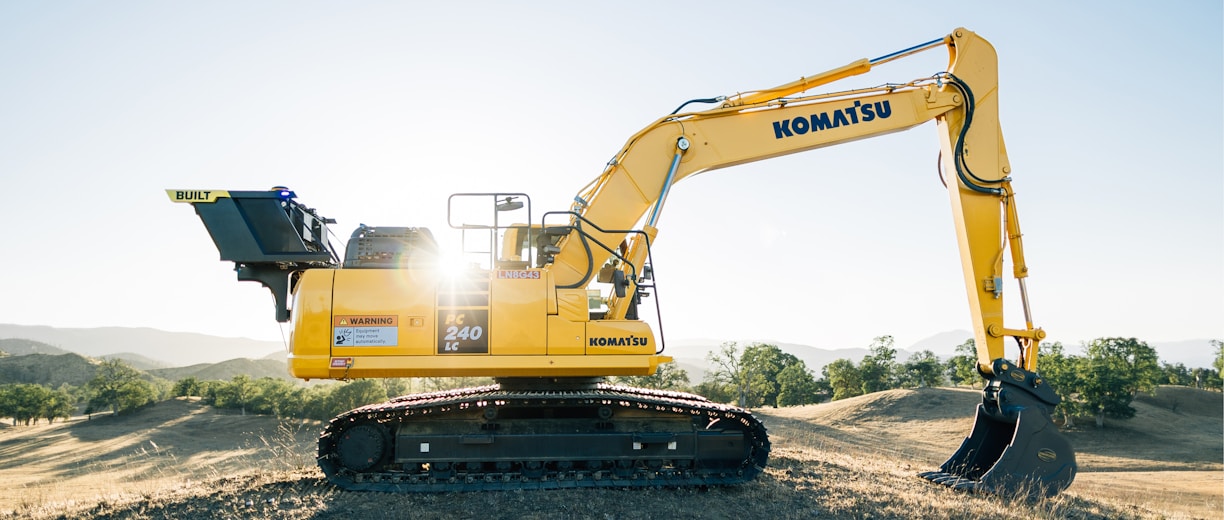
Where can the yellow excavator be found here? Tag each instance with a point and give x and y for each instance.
(549, 308)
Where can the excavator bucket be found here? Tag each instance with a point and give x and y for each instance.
(1014, 448)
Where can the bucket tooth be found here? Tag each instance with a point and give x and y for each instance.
(1014, 448)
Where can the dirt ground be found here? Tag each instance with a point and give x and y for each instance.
(1168, 459)
(855, 458)
(172, 443)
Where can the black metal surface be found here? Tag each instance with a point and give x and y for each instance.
(251, 227)
(547, 439)
(362, 447)
(1014, 448)
(268, 236)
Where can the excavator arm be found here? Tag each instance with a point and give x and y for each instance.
(1003, 450)
(762, 125)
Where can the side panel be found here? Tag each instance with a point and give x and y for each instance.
(619, 337)
(517, 323)
(357, 323)
(566, 337)
(311, 336)
(572, 304)
(382, 312)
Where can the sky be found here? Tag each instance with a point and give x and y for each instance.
(375, 112)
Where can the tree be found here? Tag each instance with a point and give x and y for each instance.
(1218, 364)
(187, 386)
(8, 402)
(315, 403)
(752, 376)
(435, 384)
(24, 402)
(962, 368)
(922, 369)
(353, 394)
(796, 386)
(277, 397)
(118, 387)
(1207, 379)
(727, 370)
(1065, 374)
(877, 368)
(395, 386)
(822, 389)
(60, 405)
(1115, 370)
(668, 376)
(238, 393)
(715, 391)
(762, 364)
(1176, 374)
(210, 390)
(843, 378)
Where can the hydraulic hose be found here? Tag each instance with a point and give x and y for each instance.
(962, 170)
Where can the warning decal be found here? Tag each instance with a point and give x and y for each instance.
(365, 331)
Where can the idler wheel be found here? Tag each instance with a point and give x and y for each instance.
(363, 447)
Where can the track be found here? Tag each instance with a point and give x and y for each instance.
(491, 438)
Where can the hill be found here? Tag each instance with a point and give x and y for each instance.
(137, 361)
(48, 370)
(76, 370)
(1162, 458)
(22, 347)
(168, 348)
(226, 370)
(850, 459)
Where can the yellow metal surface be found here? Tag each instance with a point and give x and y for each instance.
(978, 217)
(503, 366)
(608, 337)
(405, 294)
(194, 196)
(802, 84)
(565, 337)
(311, 326)
(572, 304)
(354, 323)
(517, 324)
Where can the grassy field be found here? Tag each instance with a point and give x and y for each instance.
(850, 459)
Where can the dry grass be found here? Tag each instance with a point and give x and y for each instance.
(1164, 463)
(853, 459)
(174, 444)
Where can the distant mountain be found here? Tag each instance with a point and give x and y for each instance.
(46, 369)
(943, 344)
(1193, 353)
(226, 370)
(137, 361)
(169, 348)
(22, 347)
(694, 368)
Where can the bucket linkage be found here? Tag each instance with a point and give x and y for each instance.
(1014, 449)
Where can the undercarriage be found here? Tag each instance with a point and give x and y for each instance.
(539, 434)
